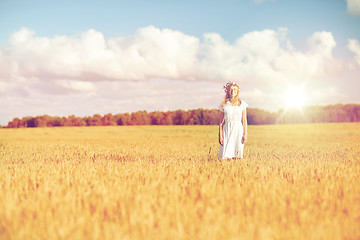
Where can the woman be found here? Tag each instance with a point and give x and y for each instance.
(233, 125)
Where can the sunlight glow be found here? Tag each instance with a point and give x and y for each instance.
(295, 98)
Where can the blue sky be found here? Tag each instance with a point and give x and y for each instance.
(185, 51)
(229, 18)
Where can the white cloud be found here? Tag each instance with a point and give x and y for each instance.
(154, 53)
(87, 74)
(353, 7)
(80, 86)
(354, 46)
(267, 56)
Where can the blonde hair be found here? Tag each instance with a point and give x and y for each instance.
(236, 100)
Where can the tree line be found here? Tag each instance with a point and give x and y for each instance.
(312, 114)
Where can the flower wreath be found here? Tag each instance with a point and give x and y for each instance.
(228, 86)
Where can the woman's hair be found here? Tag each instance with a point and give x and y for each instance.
(236, 100)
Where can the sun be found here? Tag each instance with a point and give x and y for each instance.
(295, 97)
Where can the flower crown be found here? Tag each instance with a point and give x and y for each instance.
(228, 86)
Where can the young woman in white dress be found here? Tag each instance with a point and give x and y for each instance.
(233, 124)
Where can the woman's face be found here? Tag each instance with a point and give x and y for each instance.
(233, 91)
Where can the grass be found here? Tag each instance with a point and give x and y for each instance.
(165, 182)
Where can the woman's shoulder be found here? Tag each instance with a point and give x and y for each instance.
(243, 104)
(223, 105)
(227, 103)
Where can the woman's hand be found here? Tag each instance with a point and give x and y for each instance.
(221, 140)
(244, 139)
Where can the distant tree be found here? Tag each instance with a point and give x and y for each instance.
(312, 114)
(15, 123)
(256, 116)
(212, 117)
(185, 117)
(57, 122)
(108, 120)
(167, 118)
(178, 118)
(140, 118)
(96, 120)
(31, 122)
(270, 119)
(156, 117)
(195, 117)
(124, 119)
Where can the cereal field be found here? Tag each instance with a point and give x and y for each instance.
(165, 182)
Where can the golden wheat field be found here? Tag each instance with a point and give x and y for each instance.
(165, 182)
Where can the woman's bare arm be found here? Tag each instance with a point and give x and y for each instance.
(244, 120)
(221, 139)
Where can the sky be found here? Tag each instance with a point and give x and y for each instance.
(82, 58)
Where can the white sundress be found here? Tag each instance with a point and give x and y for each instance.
(232, 131)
